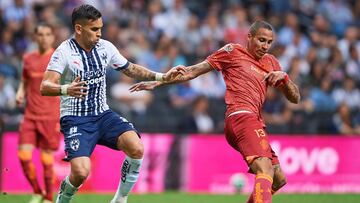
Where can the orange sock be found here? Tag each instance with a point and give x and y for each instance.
(49, 175)
(30, 174)
(28, 167)
(262, 189)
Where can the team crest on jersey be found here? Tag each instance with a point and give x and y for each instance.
(228, 48)
(104, 57)
(75, 144)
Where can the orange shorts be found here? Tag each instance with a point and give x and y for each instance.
(44, 134)
(246, 134)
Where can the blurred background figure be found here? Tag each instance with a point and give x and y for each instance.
(132, 105)
(40, 127)
(198, 119)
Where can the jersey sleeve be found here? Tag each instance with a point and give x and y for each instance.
(58, 60)
(117, 61)
(275, 63)
(221, 58)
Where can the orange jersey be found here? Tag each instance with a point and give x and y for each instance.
(244, 77)
(38, 107)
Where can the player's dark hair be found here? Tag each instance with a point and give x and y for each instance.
(43, 24)
(259, 24)
(84, 12)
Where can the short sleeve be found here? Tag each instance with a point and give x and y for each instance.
(58, 61)
(275, 63)
(117, 61)
(221, 58)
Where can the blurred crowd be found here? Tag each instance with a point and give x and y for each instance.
(317, 44)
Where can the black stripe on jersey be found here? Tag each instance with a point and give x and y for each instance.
(72, 46)
(91, 87)
(98, 90)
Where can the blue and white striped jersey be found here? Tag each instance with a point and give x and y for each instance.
(70, 60)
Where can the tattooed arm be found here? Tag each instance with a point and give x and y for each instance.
(139, 72)
(191, 72)
(180, 73)
(282, 81)
(291, 92)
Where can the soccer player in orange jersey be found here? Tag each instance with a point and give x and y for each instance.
(248, 72)
(40, 126)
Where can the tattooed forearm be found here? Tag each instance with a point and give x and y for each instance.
(139, 72)
(291, 92)
(191, 73)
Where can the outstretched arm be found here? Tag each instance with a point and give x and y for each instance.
(141, 73)
(179, 74)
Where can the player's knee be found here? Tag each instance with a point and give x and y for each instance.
(262, 165)
(136, 151)
(25, 155)
(47, 158)
(80, 174)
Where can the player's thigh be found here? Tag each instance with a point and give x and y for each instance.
(245, 133)
(27, 133)
(49, 134)
(118, 133)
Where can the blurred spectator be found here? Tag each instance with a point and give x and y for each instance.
(338, 13)
(320, 97)
(174, 20)
(211, 85)
(198, 119)
(129, 104)
(348, 94)
(181, 95)
(276, 114)
(237, 25)
(352, 65)
(173, 57)
(7, 95)
(344, 122)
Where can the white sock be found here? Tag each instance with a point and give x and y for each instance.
(66, 192)
(129, 175)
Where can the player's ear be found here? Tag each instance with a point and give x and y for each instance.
(78, 28)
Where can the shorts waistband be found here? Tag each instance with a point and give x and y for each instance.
(240, 111)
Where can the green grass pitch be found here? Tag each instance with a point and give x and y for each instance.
(175, 197)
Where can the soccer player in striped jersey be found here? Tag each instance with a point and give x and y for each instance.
(40, 126)
(77, 72)
(248, 72)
